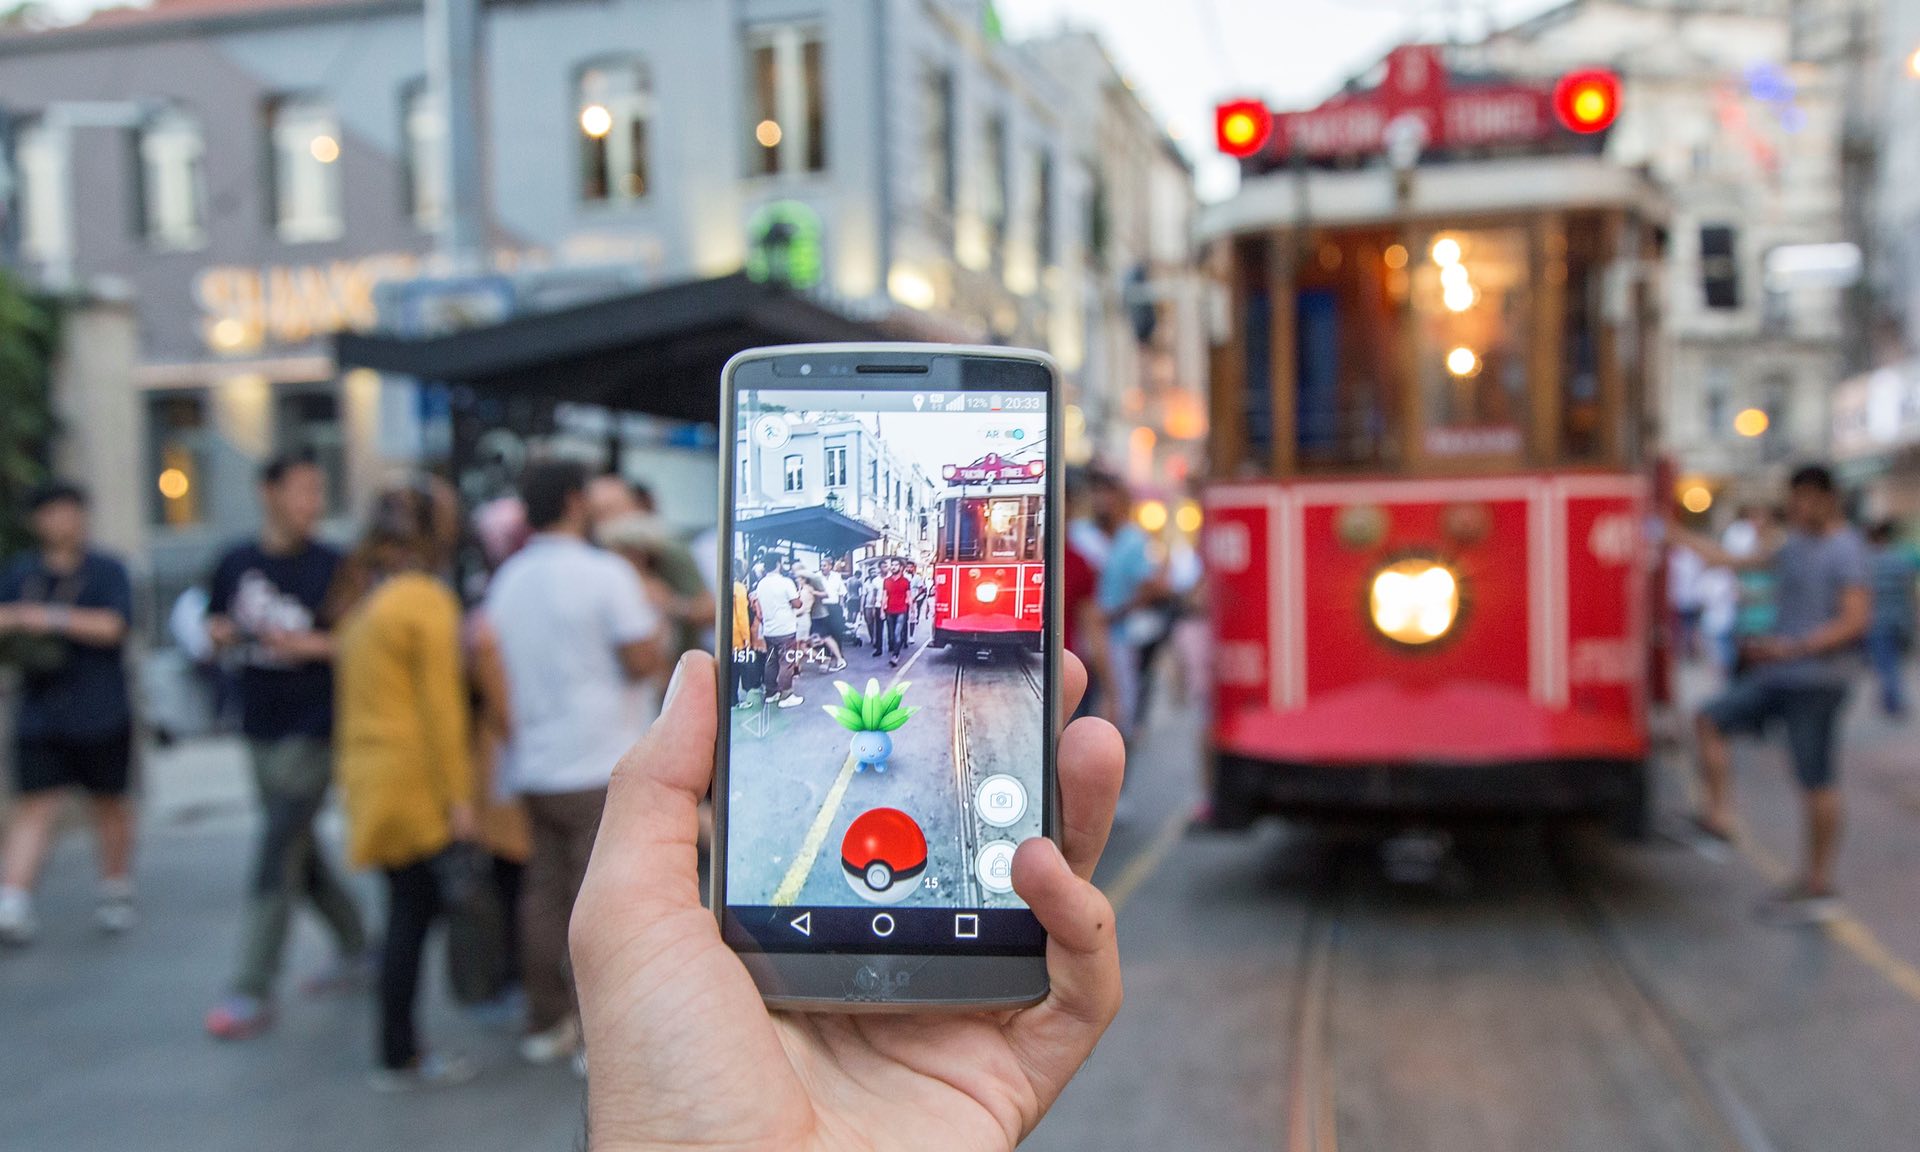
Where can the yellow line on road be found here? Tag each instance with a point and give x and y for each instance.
(1143, 866)
(796, 877)
(1845, 930)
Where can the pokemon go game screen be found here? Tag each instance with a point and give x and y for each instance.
(888, 720)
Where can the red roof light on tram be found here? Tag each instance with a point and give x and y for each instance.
(1242, 127)
(1587, 101)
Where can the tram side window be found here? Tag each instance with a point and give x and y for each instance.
(1347, 376)
(1582, 401)
(1472, 305)
(1257, 403)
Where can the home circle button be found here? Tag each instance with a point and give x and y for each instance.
(883, 925)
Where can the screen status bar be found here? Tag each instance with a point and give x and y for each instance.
(847, 400)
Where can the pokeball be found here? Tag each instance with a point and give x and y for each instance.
(882, 855)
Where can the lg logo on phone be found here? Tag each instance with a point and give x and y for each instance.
(878, 985)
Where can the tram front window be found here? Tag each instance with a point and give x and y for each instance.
(1472, 309)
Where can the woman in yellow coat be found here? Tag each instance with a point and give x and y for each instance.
(402, 753)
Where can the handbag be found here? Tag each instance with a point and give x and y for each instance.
(476, 924)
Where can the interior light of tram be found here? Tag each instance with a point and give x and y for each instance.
(1462, 361)
(1000, 515)
(1446, 251)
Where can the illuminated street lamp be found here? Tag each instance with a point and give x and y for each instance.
(1913, 64)
(1751, 423)
(596, 121)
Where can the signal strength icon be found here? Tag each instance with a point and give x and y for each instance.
(958, 403)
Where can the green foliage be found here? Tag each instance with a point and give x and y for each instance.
(29, 339)
(872, 710)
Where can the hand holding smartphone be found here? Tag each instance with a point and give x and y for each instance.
(887, 741)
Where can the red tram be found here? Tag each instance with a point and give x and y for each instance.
(989, 572)
(1431, 424)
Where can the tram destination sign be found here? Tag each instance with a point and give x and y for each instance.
(1418, 106)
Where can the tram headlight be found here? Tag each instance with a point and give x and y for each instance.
(987, 591)
(1415, 601)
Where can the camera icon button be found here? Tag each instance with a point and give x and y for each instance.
(1001, 800)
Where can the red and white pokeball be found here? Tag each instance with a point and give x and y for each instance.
(883, 855)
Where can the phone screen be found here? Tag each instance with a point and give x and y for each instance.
(887, 742)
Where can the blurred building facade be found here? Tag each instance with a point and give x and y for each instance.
(255, 177)
(1740, 109)
(1877, 412)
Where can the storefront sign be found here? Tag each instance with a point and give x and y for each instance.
(245, 308)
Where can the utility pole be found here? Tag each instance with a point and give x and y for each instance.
(453, 65)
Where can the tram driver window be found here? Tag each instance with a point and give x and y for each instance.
(1472, 306)
(1005, 528)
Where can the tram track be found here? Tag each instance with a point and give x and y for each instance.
(1721, 1119)
(1725, 1117)
(963, 789)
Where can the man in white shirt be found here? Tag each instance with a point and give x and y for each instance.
(577, 637)
(779, 601)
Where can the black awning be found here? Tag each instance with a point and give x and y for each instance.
(822, 529)
(659, 352)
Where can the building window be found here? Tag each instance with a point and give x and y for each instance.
(172, 182)
(42, 197)
(616, 121)
(786, 100)
(425, 174)
(937, 160)
(796, 475)
(307, 420)
(873, 476)
(178, 450)
(993, 181)
(744, 482)
(837, 466)
(1719, 266)
(305, 138)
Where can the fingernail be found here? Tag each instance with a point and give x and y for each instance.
(673, 685)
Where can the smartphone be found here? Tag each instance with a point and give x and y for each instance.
(891, 699)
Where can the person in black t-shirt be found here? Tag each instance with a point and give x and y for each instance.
(267, 611)
(64, 611)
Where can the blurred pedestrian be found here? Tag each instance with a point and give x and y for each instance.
(873, 604)
(267, 611)
(1130, 581)
(577, 636)
(899, 603)
(1085, 633)
(1890, 635)
(780, 604)
(626, 521)
(405, 767)
(500, 527)
(823, 627)
(1797, 675)
(64, 613)
(749, 649)
(922, 594)
(1686, 599)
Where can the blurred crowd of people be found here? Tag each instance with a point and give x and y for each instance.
(468, 722)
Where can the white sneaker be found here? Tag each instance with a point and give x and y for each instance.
(556, 1043)
(791, 701)
(433, 1071)
(114, 911)
(17, 924)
